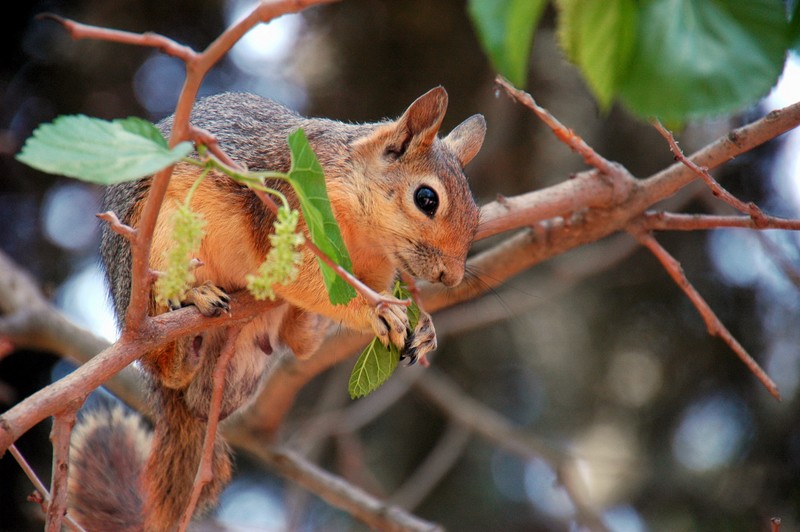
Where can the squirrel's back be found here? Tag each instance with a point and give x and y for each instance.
(252, 130)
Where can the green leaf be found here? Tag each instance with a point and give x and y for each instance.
(97, 150)
(505, 29)
(401, 291)
(794, 27)
(143, 128)
(704, 57)
(308, 182)
(598, 36)
(377, 362)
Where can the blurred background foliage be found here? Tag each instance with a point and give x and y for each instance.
(597, 353)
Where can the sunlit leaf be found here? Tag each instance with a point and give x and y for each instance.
(143, 128)
(505, 29)
(599, 36)
(308, 181)
(704, 57)
(99, 151)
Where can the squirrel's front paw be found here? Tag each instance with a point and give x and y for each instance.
(209, 299)
(390, 324)
(422, 342)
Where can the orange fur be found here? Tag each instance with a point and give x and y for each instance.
(372, 172)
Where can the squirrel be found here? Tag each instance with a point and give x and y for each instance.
(402, 202)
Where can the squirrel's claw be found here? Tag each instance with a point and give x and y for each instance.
(390, 324)
(421, 342)
(209, 299)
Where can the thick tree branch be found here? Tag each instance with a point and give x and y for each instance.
(337, 492)
(155, 331)
(576, 212)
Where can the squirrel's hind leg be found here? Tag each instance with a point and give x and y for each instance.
(176, 364)
(303, 332)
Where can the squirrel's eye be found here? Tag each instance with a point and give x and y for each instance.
(427, 200)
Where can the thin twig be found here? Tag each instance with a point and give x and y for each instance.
(60, 436)
(713, 324)
(495, 428)
(563, 133)
(436, 465)
(668, 181)
(150, 40)
(718, 190)
(39, 486)
(789, 269)
(116, 225)
(29, 472)
(669, 221)
(204, 468)
(375, 513)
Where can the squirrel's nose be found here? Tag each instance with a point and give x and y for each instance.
(451, 278)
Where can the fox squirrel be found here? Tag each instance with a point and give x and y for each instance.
(402, 202)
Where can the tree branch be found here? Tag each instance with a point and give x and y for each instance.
(497, 429)
(718, 190)
(562, 133)
(42, 495)
(60, 435)
(713, 324)
(668, 221)
(205, 473)
(436, 465)
(334, 490)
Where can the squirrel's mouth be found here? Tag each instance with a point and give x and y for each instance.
(404, 264)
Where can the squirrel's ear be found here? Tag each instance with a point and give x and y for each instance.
(418, 126)
(467, 138)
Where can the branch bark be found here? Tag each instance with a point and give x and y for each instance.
(581, 210)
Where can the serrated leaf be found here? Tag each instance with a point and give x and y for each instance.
(97, 151)
(704, 57)
(505, 29)
(143, 128)
(598, 36)
(377, 362)
(308, 181)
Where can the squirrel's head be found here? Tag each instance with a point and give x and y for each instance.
(420, 207)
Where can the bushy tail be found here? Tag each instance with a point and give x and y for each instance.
(124, 478)
(172, 466)
(108, 454)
